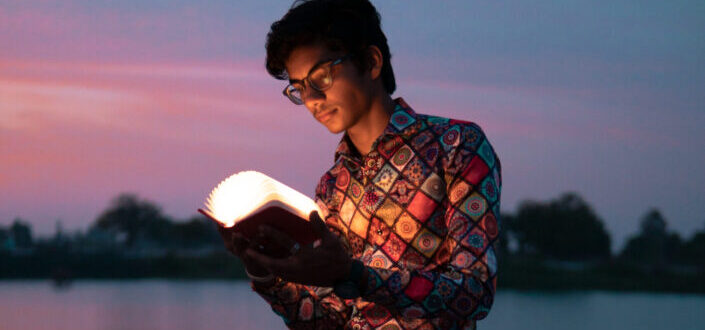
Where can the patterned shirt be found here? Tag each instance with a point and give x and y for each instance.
(421, 211)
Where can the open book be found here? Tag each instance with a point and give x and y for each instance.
(247, 199)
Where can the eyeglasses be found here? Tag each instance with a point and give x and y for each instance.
(319, 78)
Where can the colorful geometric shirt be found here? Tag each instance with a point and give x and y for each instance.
(421, 211)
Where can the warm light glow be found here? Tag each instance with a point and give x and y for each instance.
(236, 197)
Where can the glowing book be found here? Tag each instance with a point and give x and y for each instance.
(248, 199)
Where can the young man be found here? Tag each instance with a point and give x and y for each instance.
(410, 206)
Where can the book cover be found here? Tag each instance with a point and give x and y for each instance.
(247, 199)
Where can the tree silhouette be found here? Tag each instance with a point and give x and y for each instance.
(135, 218)
(502, 243)
(692, 252)
(22, 233)
(196, 232)
(564, 229)
(653, 246)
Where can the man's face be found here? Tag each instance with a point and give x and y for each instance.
(341, 106)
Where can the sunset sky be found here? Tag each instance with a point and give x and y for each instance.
(166, 98)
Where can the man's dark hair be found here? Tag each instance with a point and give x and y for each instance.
(350, 26)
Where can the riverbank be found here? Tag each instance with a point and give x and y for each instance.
(609, 276)
(515, 273)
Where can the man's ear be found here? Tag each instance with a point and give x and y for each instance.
(374, 61)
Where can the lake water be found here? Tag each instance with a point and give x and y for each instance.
(213, 305)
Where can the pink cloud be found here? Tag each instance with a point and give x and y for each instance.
(79, 133)
(147, 95)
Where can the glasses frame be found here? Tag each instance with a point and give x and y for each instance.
(306, 82)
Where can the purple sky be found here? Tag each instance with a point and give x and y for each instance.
(166, 98)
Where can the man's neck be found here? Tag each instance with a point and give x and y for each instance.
(371, 126)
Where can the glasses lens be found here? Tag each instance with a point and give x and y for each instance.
(320, 78)
(294, 94)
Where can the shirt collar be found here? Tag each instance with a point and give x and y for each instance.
(402, 118)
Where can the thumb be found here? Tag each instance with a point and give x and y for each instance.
(318, 225)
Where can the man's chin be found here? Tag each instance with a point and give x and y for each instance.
(333, 128)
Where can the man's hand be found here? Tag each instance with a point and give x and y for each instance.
(238, 245)
(320, 265)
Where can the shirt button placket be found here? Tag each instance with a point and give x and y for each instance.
(365, 171)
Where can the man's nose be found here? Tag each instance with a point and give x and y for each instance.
(312, 98)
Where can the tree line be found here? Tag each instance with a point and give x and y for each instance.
(567, 229)
(541, 244)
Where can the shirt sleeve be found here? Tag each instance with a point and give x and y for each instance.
(460, 281)
(308, 307)
(305, 307)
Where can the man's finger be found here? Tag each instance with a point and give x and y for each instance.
(239, 242)
(278, 237)
(273, 265)
(318, 225)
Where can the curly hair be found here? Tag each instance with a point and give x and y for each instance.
(339, 25)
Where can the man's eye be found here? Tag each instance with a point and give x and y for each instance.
(320, 78)
(324, 81)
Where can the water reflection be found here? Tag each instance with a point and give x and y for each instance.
(145, 304)
(213, 305)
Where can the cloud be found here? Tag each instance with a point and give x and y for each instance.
(150, 99)
(165, 98)
(82, 132)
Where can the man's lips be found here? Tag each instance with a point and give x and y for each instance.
(323, 116)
